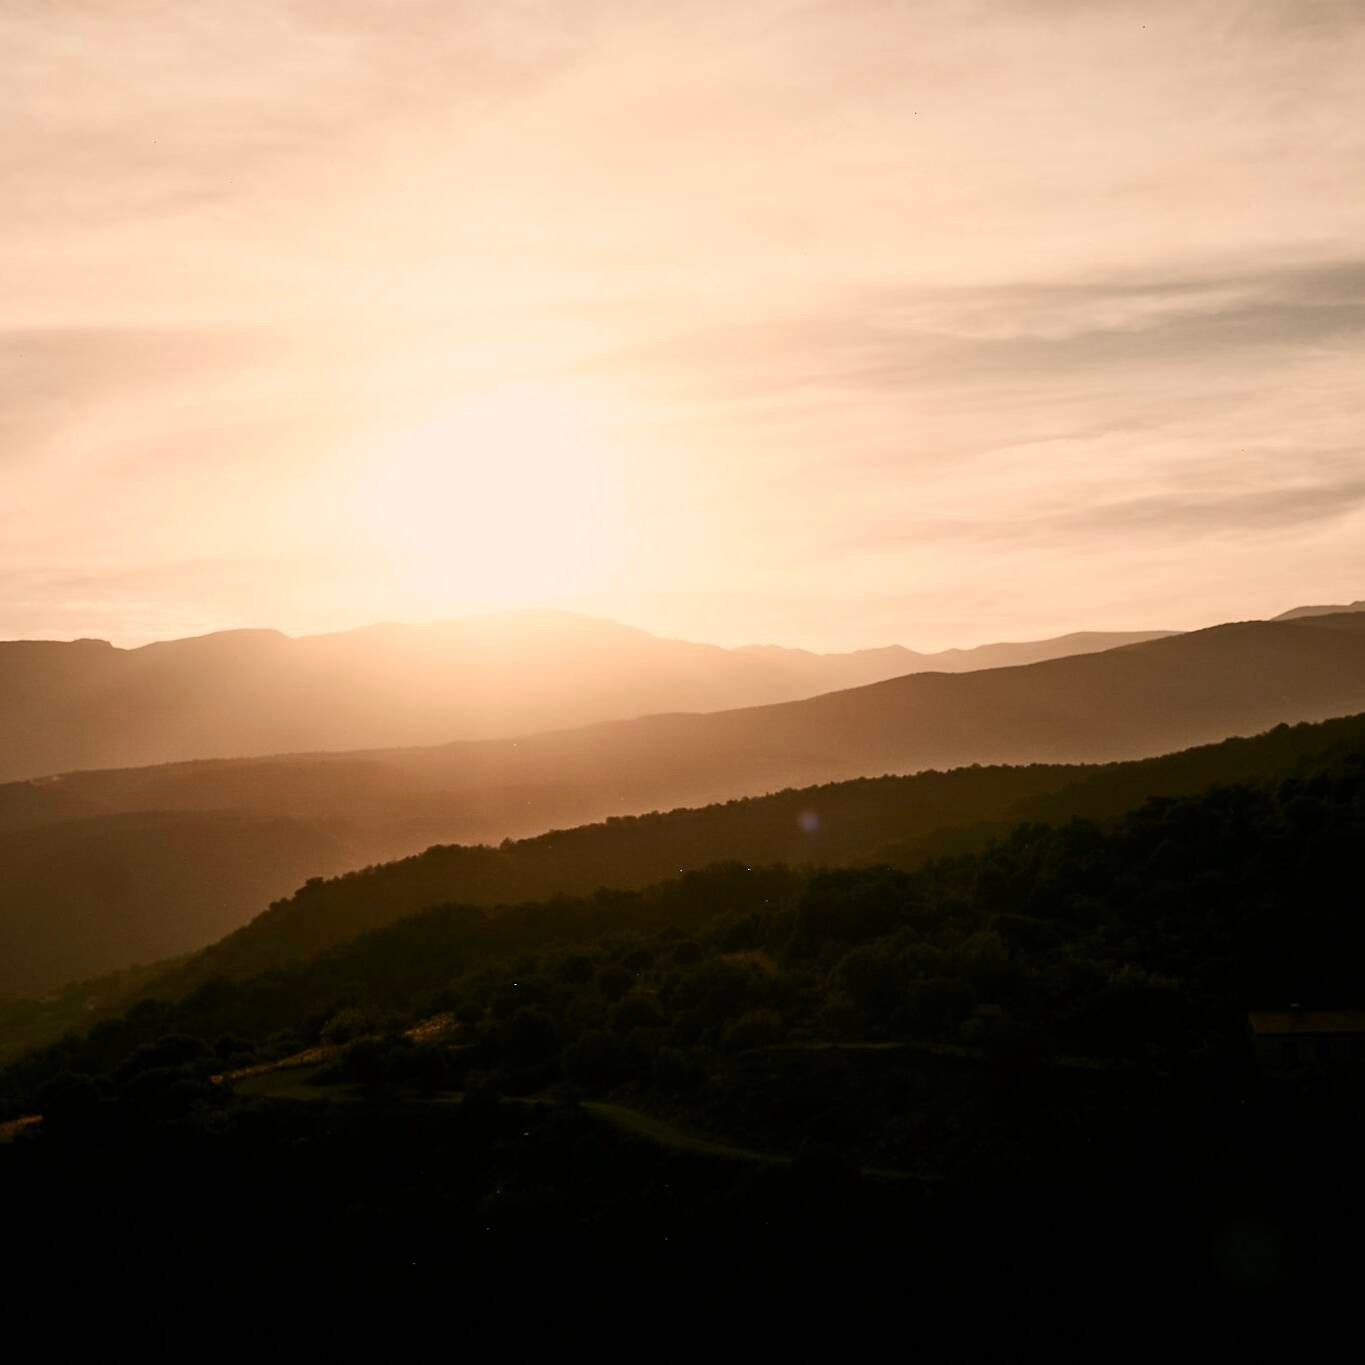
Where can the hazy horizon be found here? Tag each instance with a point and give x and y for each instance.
(511, 614)
(832, 326)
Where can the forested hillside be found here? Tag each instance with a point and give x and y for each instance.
(902, 821)
(860, 1046)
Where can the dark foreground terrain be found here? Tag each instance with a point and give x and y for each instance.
(1021, 1067)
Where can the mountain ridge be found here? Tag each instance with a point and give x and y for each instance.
(79, 705)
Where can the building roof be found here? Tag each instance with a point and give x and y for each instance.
(1297, 1021)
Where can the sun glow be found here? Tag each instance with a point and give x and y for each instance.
(511, 498)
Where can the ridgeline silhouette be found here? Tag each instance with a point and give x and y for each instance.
(85, 704)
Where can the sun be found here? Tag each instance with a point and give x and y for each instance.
(509, 498)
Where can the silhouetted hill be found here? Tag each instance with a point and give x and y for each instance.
(85, 704)
(1296, 613)
(1140, 700)
(903, 821)
(1302, 785)
(1034, 1056)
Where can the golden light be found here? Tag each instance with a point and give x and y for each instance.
(510, 498)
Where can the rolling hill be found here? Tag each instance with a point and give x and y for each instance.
(368, 807)
(902, 821)
(897, 820)
(84, 704)
(1049, 1033)
(1132, 702)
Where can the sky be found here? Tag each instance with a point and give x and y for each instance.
(825, 324)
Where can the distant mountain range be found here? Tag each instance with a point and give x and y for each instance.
(85, 704)
(350, 809)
